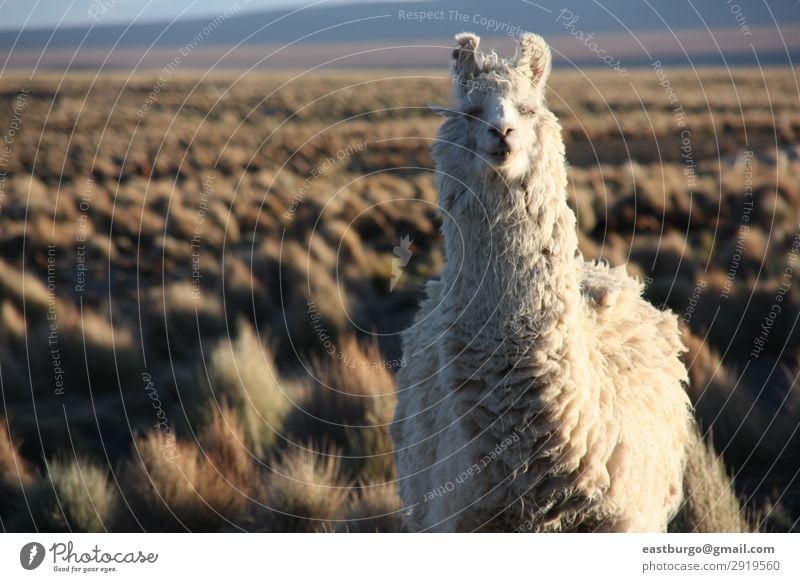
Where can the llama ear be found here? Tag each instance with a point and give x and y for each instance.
(465, 65)
(534, 58)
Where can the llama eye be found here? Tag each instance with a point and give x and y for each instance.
(527, 110)
(473, 112)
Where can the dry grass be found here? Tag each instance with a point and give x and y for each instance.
(72, 496)
(374, 508)
(710, 503)
(304, 492)
(222, 441)
(243, 377)
(15, 475)
(13, 469)
(350, 401)
(25, 290)
(192, 246)
(176, 487)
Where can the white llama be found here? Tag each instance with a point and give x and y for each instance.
(541, 392)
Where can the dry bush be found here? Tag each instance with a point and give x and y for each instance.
(353, 255)
(13, 371)
(173, 486)
(307, 287)
(12, 467)
(110, 352)
(78, 344)
(722, 404)
(24, 289)
(665, 256)
(222, 441)
(350, 401)
(374, 508)
(12, 323)
(752, 423)
(245, 296)
(305, 492)
(177, 313)
(243, 377)
(751, 254)
(15, 475)
(371, 450)
(73, 496)
(710, 503)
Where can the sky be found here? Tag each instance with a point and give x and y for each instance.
(15, 14)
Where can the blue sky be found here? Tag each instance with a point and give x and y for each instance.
(15, 14)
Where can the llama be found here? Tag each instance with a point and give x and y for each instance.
(540, 392)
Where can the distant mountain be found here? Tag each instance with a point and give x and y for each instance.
(402, 22)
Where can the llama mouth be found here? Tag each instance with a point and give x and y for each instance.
(501, 154)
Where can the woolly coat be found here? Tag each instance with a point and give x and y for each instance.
(540, 392)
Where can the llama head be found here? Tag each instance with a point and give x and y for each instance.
(497, 107)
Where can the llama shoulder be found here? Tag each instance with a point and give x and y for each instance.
(634, 333)
(603, 286)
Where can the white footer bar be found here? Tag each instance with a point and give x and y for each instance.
(389, 557)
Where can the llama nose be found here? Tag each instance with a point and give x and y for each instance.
(502, 131)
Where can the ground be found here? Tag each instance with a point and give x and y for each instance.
(185, 266)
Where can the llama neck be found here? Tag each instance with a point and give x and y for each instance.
(511, 258)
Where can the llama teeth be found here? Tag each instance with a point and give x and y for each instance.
(501, 153)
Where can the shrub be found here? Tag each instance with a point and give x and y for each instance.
(242, 377)
(14, 475)
(73, 496)
(305, 492)
(374, 508)
(25, 288)
(350, 401)
(171, 486)
(710, 503)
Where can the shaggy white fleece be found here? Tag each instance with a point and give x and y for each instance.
(540, 392)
